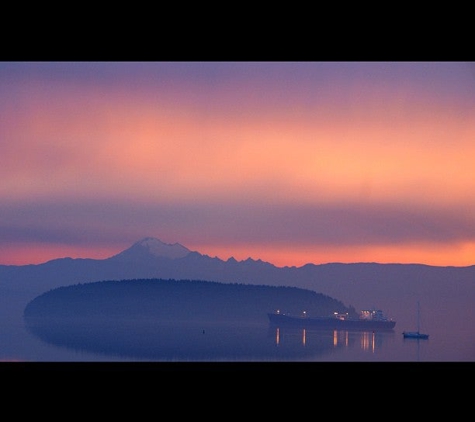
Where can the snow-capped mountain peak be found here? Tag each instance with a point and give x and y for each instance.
(158, 248)
(152, 247)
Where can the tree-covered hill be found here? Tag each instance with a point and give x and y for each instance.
(178, 301)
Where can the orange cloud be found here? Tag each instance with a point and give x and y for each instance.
(357, 145)
(100, 146)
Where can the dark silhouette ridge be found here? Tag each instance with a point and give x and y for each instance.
(142, 260)
(394, 288)
(178, 301)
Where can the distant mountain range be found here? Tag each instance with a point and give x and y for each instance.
(392, 287)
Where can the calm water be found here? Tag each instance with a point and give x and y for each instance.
(260, 342)
(452, 339)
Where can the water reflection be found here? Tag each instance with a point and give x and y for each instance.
(416, 342)
(154, 341)
(368, 341)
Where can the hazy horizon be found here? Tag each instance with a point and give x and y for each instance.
(287, 162)
(181, 247)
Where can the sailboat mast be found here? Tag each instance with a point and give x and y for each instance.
(416, 334)
(418, 317)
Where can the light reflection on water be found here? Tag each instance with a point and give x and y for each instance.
(367, 341)
(451, 340)
(152, 341)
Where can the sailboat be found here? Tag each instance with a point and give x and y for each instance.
(416, 334)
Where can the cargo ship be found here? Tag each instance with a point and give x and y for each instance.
(368, 320)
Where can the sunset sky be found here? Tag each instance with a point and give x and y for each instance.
(288, 162)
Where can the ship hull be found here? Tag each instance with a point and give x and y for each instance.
(329, 323)
(415, 334)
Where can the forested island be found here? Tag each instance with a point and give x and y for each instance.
(178, 301)
(168, 319)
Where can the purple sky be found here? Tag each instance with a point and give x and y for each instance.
(287, 162)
